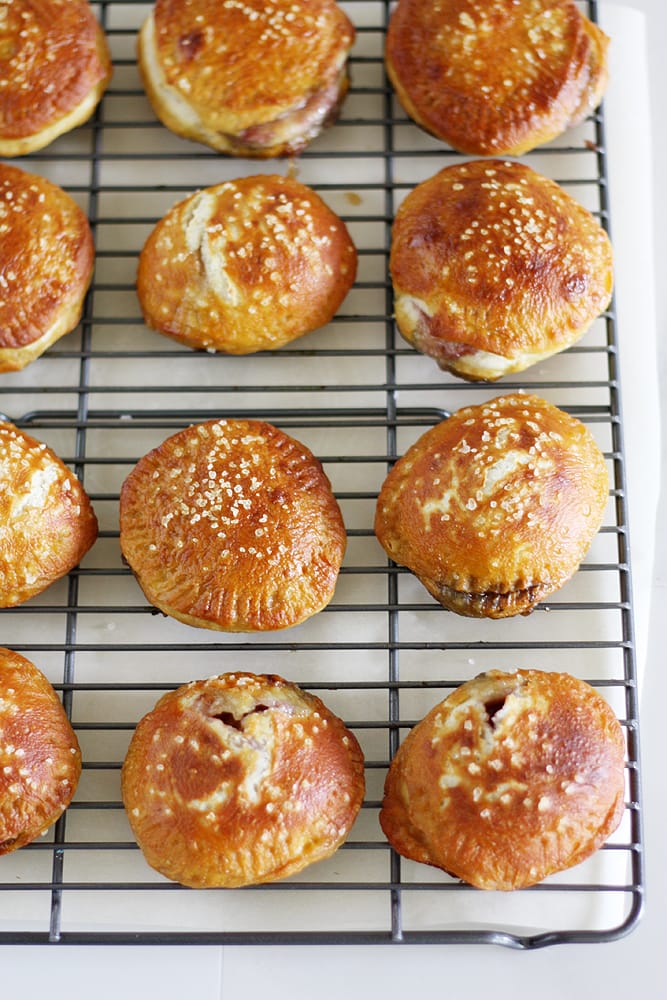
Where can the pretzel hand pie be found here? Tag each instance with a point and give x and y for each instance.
(246, 265)
(249, 78)
(240, 779)
(54, 68)
(494, 508)
(495, 267)
(46, 265)
(232, 525)
(47, 522)
(496, 77)
(40, 759)
(513, 777)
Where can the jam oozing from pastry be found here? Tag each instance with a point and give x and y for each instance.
(493, 708)
(229, 719)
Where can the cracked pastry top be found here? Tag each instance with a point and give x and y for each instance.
(232, 525)
(40, 759)
(240, 779)
(494, 508)
(47, 523)
(246, 265)
(496, 77)
(245, 77)
(495, 267)
(513, 777)
(54, 68)
(46, 265)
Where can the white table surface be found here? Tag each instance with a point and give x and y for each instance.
(629, 967)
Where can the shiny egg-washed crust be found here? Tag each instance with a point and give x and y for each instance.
(232, 525)
(513, 777)
(495, 267)
(496, 77)
(494, 508)
(47, 523)
(46, 265)
(248, 79)
(240, 779)
(40, 759)
(246, 265)
(54, 68)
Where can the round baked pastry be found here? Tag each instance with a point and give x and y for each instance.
(245, 266)
(495, 267)
(232, 525)
(248, 79)
(40, 759)
(240, 779)
(54, 68)
(496, 77)
(46, 265)
(513, 777)
(494, 508)
(47, 523)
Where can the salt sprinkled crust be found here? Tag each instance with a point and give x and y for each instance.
(496, 77)
(232, 525)
(54, 69)
(513, 777)
(495, 267)
(47, 523)
(40, 759)
(245, 77)
(494, 508)
(46, 265)
(244, 266)
(240, 779)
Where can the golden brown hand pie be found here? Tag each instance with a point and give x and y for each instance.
(245, 266)
(248, 79)
(240, 779)
(54, 68)
(513, 777)
(46, 265)
(47, 523)
(40, 759)
(232, 525)
(494, 508)
(495, 267)
(496, 77)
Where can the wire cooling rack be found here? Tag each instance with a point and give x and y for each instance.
(383, 653)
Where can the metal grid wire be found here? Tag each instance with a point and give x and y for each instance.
(383, 653)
